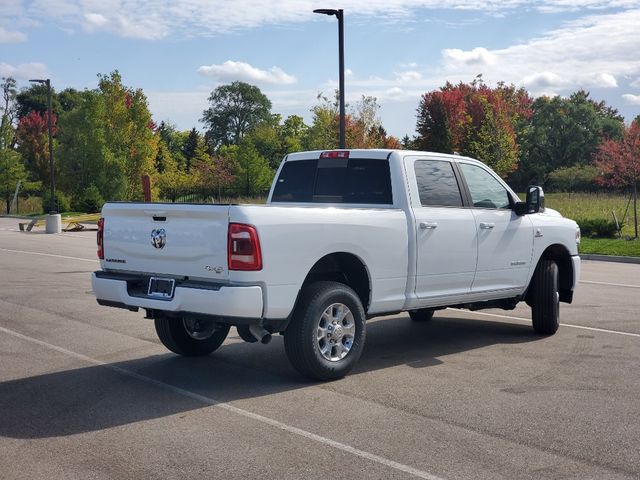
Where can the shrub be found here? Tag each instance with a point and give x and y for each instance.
(90, 201)
(598, 228)
(62, 202)
(579, 178)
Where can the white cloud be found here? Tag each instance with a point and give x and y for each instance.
(395, 92)
(477, 57)
(605, 80)
(631, 99)
(151, 19)
(23, 71)
(544, 80)
(635, 83)
(9, 36)
(96, 19)
(230, 71)
(408, 76)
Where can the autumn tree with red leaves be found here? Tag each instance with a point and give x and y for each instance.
(619, 164)
(33, 143)
(476, 120)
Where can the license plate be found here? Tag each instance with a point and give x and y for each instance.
(161, 287)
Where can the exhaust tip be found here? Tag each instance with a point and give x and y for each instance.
(266, 339)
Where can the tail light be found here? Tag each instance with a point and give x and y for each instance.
(100, 239)
(243, 248)
(335, 154)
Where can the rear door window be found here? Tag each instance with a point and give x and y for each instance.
(335, 180)
(437, 184)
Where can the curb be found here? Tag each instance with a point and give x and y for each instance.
(609, 258)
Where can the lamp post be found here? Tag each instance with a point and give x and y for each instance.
(340, 16)
(47, 82)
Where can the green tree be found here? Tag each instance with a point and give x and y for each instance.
(12, 171)
(564, 132)
(293, 132)
(108, 140)
(84, 154)
(251, 172)
(234, 110)
(34, 99)
(129, 132)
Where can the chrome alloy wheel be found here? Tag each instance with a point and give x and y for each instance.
(335, 332)
(197, 328)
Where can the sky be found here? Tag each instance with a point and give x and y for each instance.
(178, 51)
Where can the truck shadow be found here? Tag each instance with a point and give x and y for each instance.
(98, 397)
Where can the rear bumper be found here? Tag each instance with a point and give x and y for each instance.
(223, 301)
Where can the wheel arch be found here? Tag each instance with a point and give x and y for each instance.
(346, 268)
(559, 254)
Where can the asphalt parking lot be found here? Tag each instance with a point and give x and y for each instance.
(88, 392)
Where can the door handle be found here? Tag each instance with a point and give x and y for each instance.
(428, 225)
(487, 225)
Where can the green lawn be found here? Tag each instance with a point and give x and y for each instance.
(592, 205)
(610, 246)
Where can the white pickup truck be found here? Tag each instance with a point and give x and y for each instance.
(345, 235)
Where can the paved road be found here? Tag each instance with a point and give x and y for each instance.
(88, 392)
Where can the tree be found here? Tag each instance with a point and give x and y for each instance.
(250, 170)
(619, 164)
(563, 132)
(32, 136)
(108, 140)
(234, 109)
(193, 149)
(34, 99)
(8, 110)
(11, 172)
(129, 131)
(293, 132)
(476, 120)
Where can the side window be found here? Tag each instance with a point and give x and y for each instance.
(486, 191)
(295, 183)
(437, 184)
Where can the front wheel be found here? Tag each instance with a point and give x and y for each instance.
(190, 336)
(545, 308)
(327, 332)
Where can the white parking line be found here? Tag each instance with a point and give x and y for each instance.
(49, 255)
(509, 317)
(239, 411)
(610, 284)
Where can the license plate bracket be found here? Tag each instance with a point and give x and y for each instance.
(161, 287)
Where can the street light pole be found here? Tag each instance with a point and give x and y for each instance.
(47, 82)
(339, 14)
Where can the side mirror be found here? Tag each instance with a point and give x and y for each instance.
(534, 203)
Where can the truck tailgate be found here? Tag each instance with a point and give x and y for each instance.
(167, 239)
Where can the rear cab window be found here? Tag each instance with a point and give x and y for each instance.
(335, 180)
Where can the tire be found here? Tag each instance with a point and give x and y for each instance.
(327, 331)
(545, 308)
(422, 315)
(190, 337)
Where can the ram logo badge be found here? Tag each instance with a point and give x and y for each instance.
(158, 238)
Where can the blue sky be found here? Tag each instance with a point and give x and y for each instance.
(178, 51)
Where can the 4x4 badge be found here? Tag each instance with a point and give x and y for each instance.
(158, 237)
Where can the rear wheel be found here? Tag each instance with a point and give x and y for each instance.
(190, 336)
(545, 308)
(327, 332)
(421, 315)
